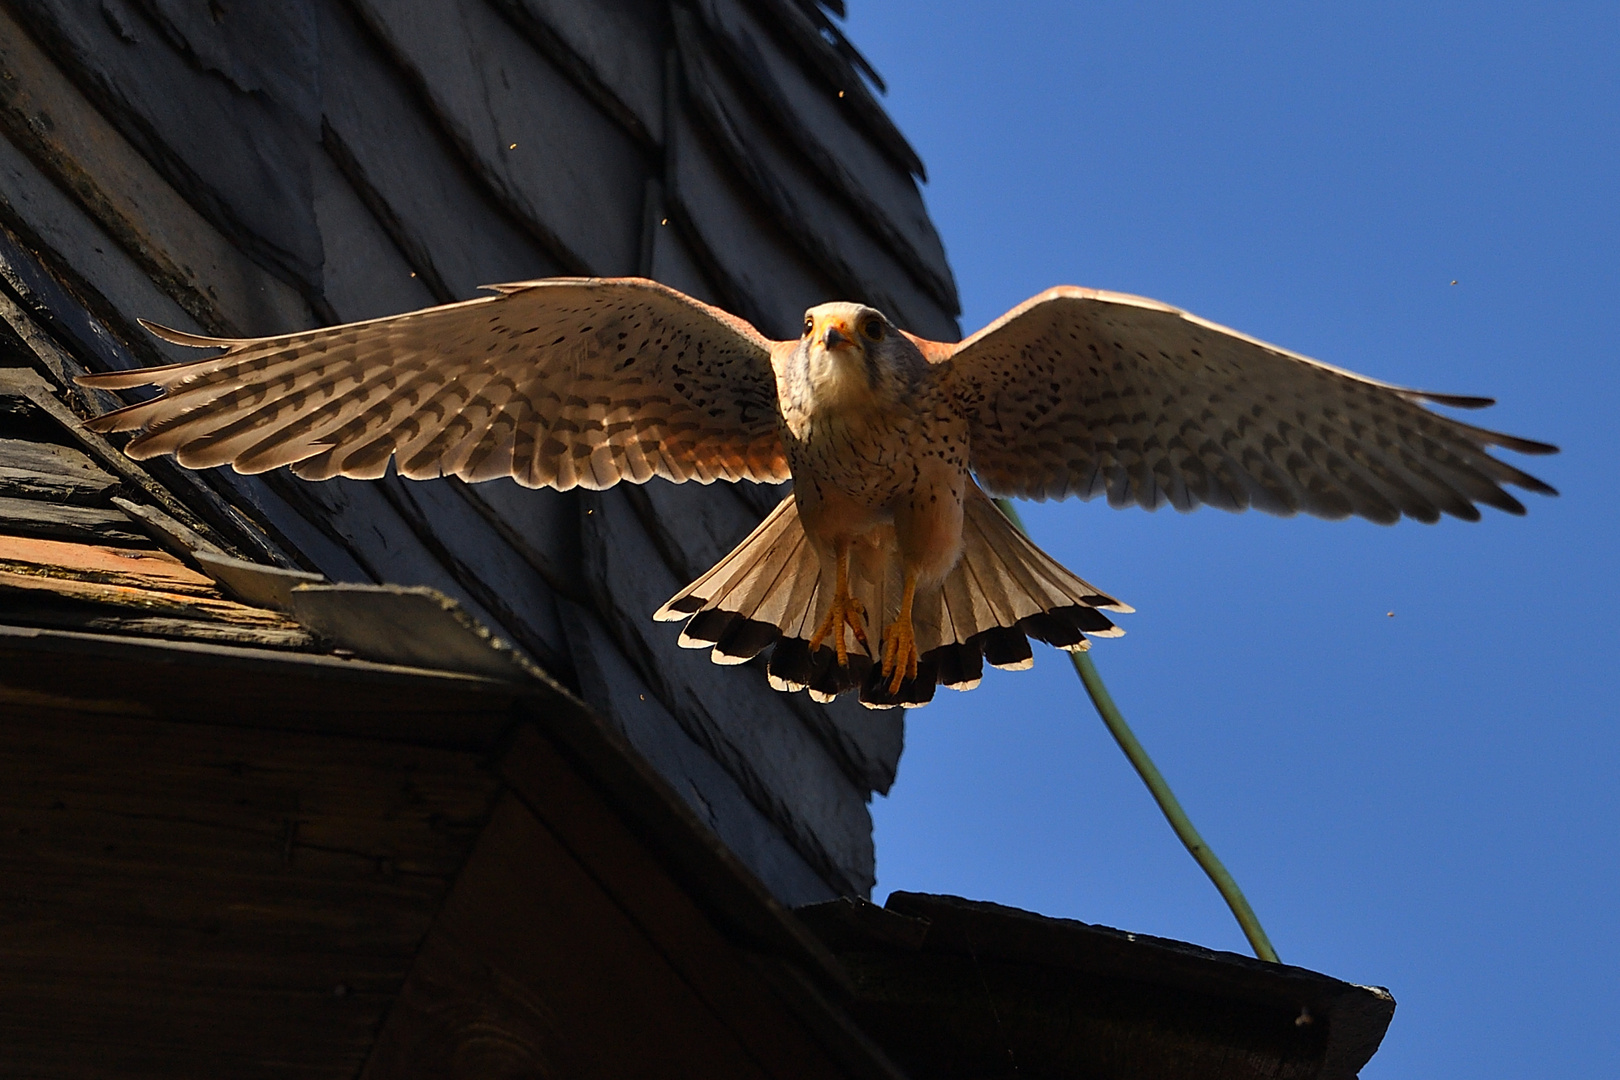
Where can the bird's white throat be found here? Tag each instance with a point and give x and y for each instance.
(838, 379)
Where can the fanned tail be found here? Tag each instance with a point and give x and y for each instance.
(773, 589)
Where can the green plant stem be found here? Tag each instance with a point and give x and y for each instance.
(1168, 804)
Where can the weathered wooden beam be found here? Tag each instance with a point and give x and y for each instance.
(210, 897)
(91, 524)
(276, 691)
(90, 584)
(51, 473)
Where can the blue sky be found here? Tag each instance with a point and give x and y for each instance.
(1426, 801)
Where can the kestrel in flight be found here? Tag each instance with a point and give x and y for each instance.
(888, 570)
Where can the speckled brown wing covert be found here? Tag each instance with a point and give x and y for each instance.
(1083, 392)
(560, 383)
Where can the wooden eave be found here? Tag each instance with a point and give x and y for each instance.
(592, 917)
(961, 988)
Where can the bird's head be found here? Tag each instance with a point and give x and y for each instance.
(853, 354)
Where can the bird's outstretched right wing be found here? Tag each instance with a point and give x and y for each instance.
(561, 382)
(1084, 392)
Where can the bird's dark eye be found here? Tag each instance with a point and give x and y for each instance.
(873, 329)
(809, 326)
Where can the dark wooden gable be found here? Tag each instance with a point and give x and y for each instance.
(249, 169)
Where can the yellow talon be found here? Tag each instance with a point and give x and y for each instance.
(899, 654)
(900, 640)
(844, 611)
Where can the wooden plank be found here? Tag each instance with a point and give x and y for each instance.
(760, 272)
(730, 711)
(612, 49)
(227, 110)
(51, 121)
(534, 954)
(40, 470)
(609, 683)
(92, 524)
(33, 587)
(823, 225)
(169, 533)
(445, 219)
(811, 116)
(696, 528)
(416, 808)
(55, 612)
(143, 570)
(185, 898)
(551, 156)
(89, 1031)
(238, 687)
(795, 1034)
(53, 487)
(149, 599)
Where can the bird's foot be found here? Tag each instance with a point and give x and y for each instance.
(899, 653)
(845, 611)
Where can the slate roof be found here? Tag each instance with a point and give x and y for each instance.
(249, 169)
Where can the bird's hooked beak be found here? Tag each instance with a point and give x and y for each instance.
(836, 335)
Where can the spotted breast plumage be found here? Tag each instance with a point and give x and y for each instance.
(888, 570)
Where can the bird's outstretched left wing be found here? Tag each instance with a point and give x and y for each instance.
(559, 382)
(1083, 392)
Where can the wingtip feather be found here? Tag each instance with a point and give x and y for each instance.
(180, 337)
